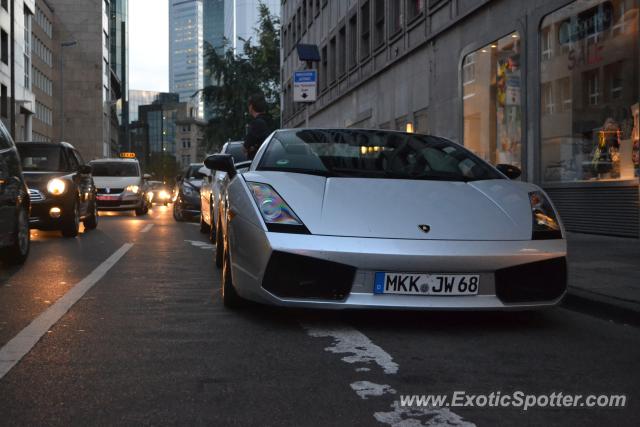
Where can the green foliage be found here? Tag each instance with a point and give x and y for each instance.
(162, 166)
(238, 77)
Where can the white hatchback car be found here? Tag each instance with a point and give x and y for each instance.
(120, 185)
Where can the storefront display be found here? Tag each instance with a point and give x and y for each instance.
(589, 87)
(491, 78)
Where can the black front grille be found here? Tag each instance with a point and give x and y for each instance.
(110, 203)
(111, 190)
(534, 282)
(297, 276)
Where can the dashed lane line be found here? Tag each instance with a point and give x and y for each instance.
(26, 339)
(147, 228)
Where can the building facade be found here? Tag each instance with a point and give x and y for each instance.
(240, 20)
(119, 59)
(89, 88)
(43, 72)
(551, 86)
(186, 51)
(20, 56)
(190, 138)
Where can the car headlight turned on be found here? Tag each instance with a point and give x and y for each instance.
(56, 186)
(276, 213)
(545, 221)
(163, 195)
(132, 189)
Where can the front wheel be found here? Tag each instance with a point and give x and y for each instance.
(91, 222)
(230, 297)
(142, 209)
(204, 227)
(17, 253)
(71, 222)
(219, 244)
(177, 211)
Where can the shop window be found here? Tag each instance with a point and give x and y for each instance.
(590, 134)
(492, 101)
(547, 44)
(548, 104)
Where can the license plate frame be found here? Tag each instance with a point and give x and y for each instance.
(426, 284)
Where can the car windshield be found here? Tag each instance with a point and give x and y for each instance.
(38, 158)
(238, 152)
(373, 154)
(193, 172)
(114, 169)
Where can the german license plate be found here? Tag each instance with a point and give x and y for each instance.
(102, 197)
(426, 284)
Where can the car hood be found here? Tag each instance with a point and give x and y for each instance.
(116, 182)
(395, 209)
(39, 180)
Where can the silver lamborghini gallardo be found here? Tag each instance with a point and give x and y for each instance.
(344, 218)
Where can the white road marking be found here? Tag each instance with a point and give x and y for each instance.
(147, 228)
(22, 343)
(363, 350)
(414, 416)
(349, 340)
(201, 245)
(365, 389)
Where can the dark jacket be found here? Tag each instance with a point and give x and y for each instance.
(258, 130)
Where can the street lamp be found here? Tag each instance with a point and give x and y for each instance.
(62, 46)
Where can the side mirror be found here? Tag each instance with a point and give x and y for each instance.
(84, 169)
(221, 162)
(510, 171)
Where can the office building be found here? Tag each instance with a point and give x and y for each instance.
(186, 47)
(550, 86)
(23, 100)
(241, 19)
(44, 75)
(119, 58)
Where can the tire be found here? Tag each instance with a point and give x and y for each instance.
(142, 210)
(177, 212)
(204, 227)
(219, 245)
(91, 222)
(71, 222)
(212, 227)
(230, 297)
(17, 253)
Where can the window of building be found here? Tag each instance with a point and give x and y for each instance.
(27, 71)
(469, 69)
(548, 104)
(395, 16)
(492, 102)
(332, 60)
(342, 51)
(590, 134)
(415, 8)
(323, 70)
(353, 41)
(4, 101)
(378, 17)
(547, 44)
(365, 30)
(4, 46)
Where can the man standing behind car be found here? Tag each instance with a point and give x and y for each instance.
(260, 127)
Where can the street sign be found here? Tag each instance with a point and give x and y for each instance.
(305, 86)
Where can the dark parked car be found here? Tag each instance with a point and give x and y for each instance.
(187, 191)
(61, 187)
(14, 204)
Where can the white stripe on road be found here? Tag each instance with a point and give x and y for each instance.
(22, 343)
(146, 228)
(361, 349)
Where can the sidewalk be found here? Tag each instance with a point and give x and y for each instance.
(605, 270)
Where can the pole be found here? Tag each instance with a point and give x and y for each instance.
(62, 93)
(306, 115)
(13, 70)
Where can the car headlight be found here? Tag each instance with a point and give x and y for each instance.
(276, 213)
(545, 221)
(133, 189)
(56, 186)
(163, 195)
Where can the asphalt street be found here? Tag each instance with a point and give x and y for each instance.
(150, 343)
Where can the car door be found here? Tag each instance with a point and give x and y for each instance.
(11, 184)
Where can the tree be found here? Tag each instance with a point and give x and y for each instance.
(239, 76)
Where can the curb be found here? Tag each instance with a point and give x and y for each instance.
(603, 306)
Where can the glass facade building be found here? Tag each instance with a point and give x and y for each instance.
(241, 17)
(186, 46)
(119, 57)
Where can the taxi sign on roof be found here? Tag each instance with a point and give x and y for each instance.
(128, 155)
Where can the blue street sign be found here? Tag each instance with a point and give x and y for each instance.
(308, 76)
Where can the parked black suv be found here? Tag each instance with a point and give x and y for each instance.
(14, 204)
(61, 188)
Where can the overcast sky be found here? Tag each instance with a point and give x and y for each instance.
(149, 45)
